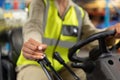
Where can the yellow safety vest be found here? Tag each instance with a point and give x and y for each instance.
(59, 34)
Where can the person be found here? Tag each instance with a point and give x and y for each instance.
(53, 25)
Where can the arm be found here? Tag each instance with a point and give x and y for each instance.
(32, 32)
(88, 28)
(33, 27)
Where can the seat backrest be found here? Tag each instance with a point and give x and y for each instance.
(8, 70)
(16, 41)
(1, 77)
(8, 62)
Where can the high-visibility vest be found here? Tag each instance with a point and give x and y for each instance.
(59, 34)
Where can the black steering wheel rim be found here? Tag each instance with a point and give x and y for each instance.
(98, 36)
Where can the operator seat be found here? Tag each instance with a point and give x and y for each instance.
(15, 40)
(1, 77)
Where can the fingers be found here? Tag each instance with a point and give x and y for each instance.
(37, 44)
(35, 56)
(33, 50)
(42, 47)
(29, 46)
(117, 28)
(33, 42)
(27, 50)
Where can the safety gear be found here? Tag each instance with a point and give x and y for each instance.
(59, 34)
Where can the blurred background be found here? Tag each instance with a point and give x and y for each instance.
(13, 13)
(103, 13)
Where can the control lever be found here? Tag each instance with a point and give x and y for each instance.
(46, 62)
(61, 61)
(45, 70)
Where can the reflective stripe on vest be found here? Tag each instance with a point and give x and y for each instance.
(52, 42)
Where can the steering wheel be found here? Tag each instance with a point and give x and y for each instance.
(102, 49)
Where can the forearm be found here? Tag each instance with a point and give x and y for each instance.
(89, 29)
(33, 27)
(31, 31)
